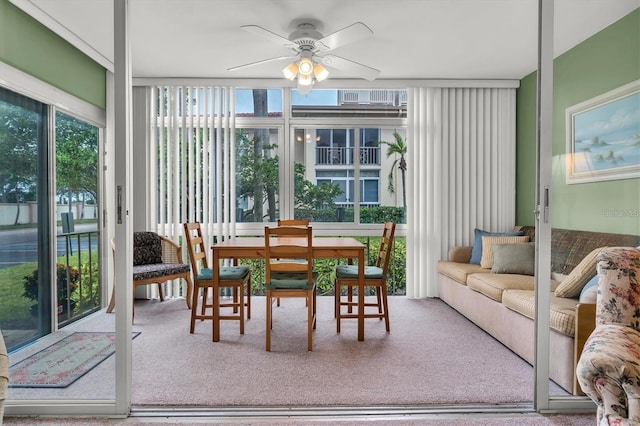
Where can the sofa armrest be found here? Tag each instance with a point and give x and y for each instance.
(460, 254)
(585, 324)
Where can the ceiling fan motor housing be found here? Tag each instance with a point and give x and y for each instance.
(305, 37)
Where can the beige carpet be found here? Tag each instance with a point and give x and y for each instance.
(432, 356)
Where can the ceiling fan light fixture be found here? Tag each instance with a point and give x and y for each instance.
(308, 48)
(305, 80)
(305, 66)
(290, 71)
(320, 72)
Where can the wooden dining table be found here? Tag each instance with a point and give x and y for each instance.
(323, 248)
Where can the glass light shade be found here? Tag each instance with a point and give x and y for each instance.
(290, 71)
(320, 72)
(305, 66)
(305, 80)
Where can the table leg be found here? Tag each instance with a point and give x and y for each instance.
(361, 295)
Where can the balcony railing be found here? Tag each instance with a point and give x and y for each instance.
(78, 283)
(344, 156)
(372, 97)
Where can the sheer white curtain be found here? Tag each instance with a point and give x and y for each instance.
(461, 173)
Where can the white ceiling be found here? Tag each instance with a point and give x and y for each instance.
(413, 39)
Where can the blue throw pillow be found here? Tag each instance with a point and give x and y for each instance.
(476, 252)
(591, 283)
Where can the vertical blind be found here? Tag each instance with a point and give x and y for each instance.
(191, 164)
(462, 174)
(191, 154)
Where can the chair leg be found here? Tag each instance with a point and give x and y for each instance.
(161, 292)
(310, 322)
(248, 298)
(236, 297)
(240, 292)
(205, 295)
(315, 306)
(336, 296)
(268, 323)
(338, 309)
(194, 307)
(189, 290)
(112, 301)
(385, 304)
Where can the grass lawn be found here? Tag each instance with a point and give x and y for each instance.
(15, 308)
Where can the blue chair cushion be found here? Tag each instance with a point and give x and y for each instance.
(290, 280)
(226, 273)
(351, 271)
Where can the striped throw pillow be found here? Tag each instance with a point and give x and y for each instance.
(581, 274)
(487, 251)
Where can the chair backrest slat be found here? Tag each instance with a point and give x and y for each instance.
(196, 246)
(386, 242)
(288, 249)
(293, 222)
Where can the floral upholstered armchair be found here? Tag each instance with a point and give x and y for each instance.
(609, 367)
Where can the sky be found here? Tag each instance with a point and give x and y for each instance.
(244, 99)
(616, 120)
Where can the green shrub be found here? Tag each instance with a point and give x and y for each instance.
(378, 214)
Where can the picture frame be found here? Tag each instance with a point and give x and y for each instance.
(603, 136)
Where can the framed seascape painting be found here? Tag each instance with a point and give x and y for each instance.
(603, 136)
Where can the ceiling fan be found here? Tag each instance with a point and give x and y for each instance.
(309, 49)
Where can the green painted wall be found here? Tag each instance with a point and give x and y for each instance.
(607, 60)
(27, 45)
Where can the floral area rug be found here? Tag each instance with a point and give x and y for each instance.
(64, 362)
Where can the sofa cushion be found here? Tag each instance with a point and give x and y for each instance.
(583, 272)
(458, 271)
(562, 309)
(488, 241)
(514, 258)
(147, 248)
(493, 285)
(476, 251)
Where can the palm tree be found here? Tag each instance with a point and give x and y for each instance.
(399, 148)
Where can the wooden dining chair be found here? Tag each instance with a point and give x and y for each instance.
(236, 277)
(374, 276)
(286, 276)
(291, 222)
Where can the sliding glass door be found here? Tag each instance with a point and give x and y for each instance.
(25, 279)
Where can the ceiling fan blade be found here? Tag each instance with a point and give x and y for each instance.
(269, 35)
(264, 61)
(352, 33)
(354, 68)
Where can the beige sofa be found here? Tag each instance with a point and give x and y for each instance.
(502, 304)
